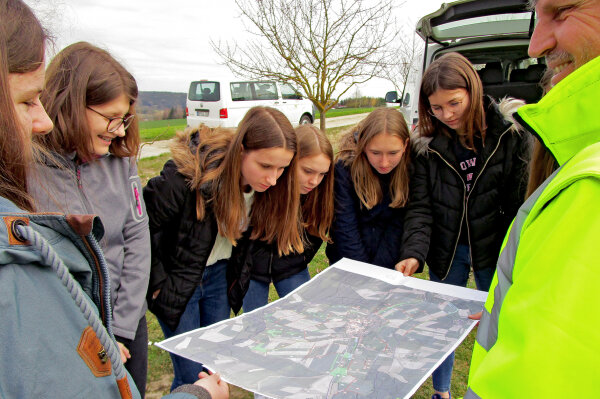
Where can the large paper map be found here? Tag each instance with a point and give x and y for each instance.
(353, 331)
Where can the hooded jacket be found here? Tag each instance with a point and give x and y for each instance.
(539, 334)
(110, 188)
(439, 201)
(49, 349)
(181, 244)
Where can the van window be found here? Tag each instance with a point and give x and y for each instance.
(266, 91)
(204, 91)
(248, 91)
(241, 91)
(288, 92)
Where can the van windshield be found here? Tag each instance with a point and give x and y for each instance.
(204, 91)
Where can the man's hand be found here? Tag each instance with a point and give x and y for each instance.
(217, 388)
(408, 266)
(476, 316)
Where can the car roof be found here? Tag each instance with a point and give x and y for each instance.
(477, 19)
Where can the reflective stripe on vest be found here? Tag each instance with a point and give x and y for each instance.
(487, 334)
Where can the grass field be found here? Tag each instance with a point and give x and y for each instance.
(165, 129)
(345, 111)
(160, 130)
(160, 372)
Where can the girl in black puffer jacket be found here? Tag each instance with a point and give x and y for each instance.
(370, 190)
(217, 184)
(469, 179)
(264, 262)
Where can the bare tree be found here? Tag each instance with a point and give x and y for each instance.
(406, 62)
(322, 46)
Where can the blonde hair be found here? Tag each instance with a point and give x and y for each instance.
(317, 209)
(352, 153)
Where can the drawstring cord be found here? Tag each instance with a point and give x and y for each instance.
(50, 256)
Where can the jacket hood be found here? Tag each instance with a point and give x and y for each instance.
(504, 110)
(566, 118)
(184, 151)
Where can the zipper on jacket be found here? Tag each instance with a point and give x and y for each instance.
(84, 201)
(463, 212)
(270, 263)
(101, 277)
(473, 188)
(78, 171)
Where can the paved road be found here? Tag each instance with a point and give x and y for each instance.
(162, 146)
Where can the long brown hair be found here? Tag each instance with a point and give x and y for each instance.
(450, 72)
(352, 153)
(275, 213)
(543, 163)
(317, 209)
(83, 75)
(22, 46)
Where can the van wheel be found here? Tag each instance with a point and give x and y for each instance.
(305, 120)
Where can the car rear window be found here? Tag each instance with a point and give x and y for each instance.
(204, 91)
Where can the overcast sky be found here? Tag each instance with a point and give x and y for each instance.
(165, 44)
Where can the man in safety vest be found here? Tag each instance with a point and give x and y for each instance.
(539, 335)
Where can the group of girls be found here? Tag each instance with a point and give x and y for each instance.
(73, 287)
(226, 217)
(231, 212)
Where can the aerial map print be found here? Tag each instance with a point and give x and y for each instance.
(353, 331)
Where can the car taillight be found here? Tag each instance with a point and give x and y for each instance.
(187, 113)
(223, 113)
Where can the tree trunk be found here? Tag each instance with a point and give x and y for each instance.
(322, 123)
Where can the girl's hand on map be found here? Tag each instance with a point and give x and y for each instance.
(217, 388)
(408, 266)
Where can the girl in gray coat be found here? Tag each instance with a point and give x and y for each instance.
(56, 329)
(91, 169)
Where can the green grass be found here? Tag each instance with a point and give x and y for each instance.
(345, 111)
(160, 371)
(161, 130)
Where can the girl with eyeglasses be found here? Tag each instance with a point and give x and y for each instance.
(218, 185)
(371, 190)
(56, 320)
(469, 179)
(91, 169)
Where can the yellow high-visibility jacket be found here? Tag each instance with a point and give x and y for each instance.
(539, 335)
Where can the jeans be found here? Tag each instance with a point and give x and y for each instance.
(458, 275)
(258, 292)
(208, 305)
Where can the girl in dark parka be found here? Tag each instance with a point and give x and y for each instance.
(370, 190)
(469, 179)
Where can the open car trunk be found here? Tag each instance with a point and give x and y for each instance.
(494, 35)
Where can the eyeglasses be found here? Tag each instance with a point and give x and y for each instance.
(438, 110)
(115, 123)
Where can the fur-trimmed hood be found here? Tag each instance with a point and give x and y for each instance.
(212, 144)
(506, 108)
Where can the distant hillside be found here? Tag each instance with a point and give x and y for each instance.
(154, 105)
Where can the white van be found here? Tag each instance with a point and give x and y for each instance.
(494, 35)
(224, 103)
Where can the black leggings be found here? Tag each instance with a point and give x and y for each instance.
(137, 365)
